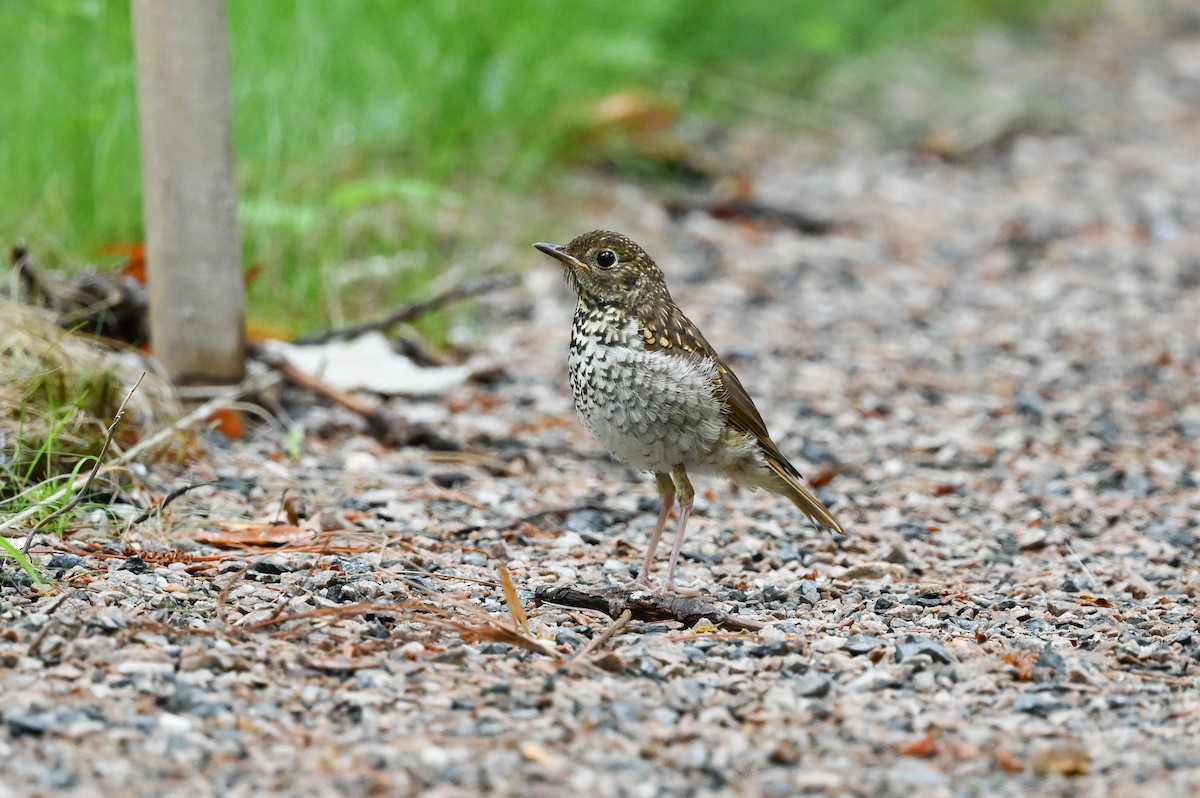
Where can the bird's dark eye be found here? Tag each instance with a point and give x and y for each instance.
(606, 259)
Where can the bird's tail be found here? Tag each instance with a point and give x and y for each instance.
(801, 496)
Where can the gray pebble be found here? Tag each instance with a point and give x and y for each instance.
(135, 564)
(862, 644)
(31, 725)
(813, 685)
(914, 645)
(566, 637)
(587, 520)
(352, 565)
(65, 561)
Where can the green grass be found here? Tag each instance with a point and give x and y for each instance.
(368, 128)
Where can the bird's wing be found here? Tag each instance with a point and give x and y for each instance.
(671, 331)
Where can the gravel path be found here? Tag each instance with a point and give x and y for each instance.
(990, 366)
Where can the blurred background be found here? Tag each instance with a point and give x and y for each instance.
(386, 146)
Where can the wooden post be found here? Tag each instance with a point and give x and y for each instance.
(193, 250)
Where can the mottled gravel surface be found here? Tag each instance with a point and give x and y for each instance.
(990, 366)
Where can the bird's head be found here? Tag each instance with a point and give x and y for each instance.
(607, 268)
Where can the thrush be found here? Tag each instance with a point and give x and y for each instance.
(655, 393)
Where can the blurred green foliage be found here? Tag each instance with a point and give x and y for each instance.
(369, 127)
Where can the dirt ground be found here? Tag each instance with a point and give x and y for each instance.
(986, 357)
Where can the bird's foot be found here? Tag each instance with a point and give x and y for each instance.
(641, 582)
(683, 590)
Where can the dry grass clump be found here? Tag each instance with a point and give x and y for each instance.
(58, 394)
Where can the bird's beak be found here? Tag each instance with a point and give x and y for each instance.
(557, 252)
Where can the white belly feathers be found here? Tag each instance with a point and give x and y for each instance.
(659, 409)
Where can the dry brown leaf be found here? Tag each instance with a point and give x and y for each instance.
(1067, 759)
(537, 753)
(229, 423)
(1007, 761)
(513, 601)
(1023, 663)
(926, 747)
(543, 424)
(238, 534)
(293, 508)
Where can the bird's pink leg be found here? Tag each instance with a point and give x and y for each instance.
(666, 493)
(686, 494)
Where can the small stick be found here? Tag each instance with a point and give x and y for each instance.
(342, 611)
(454, 577)
(170, 497)
(604, 636)
(644, 605)
(520, 621)
(1091, 579)
(754, 210)
(410, 312)
(78, 497)
(379, 423)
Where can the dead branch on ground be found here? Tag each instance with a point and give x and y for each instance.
(643, 606)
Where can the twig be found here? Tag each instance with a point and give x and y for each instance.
(284, 599)
(644, 606)
(170, 497)
(604, 636)
(410, 312)
(381, 426)
(485, 629)
(520, 621)
(87, 485)
(753, 210)
(343, 611)
(452, 577)
(1091, 579)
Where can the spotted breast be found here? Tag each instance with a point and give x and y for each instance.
(650, 409)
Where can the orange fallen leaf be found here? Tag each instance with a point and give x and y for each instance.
(1007, 762)
(135, 267)
(925, 747)
(823, 477)
(252, 273)
(520, 621)
(293, 508)
(256, 331)
(229, 423)
(1024, 665)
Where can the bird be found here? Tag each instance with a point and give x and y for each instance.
(656, 394)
